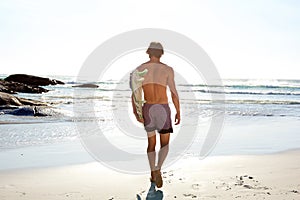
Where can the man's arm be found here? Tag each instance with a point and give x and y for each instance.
(174, 94)
(134, 110)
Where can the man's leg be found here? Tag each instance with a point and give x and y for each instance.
(164, 149)
(151, 152)
(162, 154)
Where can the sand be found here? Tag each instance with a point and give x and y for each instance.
(275, 176)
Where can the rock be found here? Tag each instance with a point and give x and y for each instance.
(13, 87)
(39, 111)
(21, 87)
(9, 99)
(33, 111)
(4, 87)
(26, 111)
(86, 86)
(32, 80)
(31, 102)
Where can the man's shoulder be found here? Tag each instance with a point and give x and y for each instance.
(149, 63)
(140, 67)
(167, 67)
(161, 66)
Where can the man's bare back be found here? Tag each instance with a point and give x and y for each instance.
(156, 81)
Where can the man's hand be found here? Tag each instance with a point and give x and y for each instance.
(141, 120)
(177, 118)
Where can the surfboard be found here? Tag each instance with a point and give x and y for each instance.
(136, 81)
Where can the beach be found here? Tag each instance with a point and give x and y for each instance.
(68, 127)
(274, 176)
(90, 147)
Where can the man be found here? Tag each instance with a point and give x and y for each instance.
(156, 110)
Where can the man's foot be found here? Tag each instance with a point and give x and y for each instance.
(158, 179)
(152, 180)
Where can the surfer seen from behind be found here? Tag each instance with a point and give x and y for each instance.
(156, 111)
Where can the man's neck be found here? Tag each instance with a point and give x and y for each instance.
(154, 59)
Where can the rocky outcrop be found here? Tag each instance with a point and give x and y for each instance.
(13, 87)
(5, 89)
(8, 99)
(86, 86)
(11, 100)
(32, 80)
(37, 111)
(26, 84)
(10, 104)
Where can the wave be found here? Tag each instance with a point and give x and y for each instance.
(251, 84)
(241, 86)
(245, 92)
(247, 113)
(278, 102)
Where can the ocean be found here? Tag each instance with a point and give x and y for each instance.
(260, 116)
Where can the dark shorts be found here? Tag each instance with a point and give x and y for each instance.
(157, 117)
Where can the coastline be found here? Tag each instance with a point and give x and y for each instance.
(246, 136)
(269, 176)
(43, 157)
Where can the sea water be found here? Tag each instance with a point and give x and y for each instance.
(260, 116)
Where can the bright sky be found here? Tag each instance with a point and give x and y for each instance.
(245, 39)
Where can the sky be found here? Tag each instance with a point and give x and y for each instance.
(251, 39)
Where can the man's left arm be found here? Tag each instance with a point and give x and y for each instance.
(174, 95)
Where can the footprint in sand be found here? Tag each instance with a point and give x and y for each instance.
(190, 195)
(196, 186)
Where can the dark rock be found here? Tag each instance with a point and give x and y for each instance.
(8, 100)
(32, 111)
(32, 80)
(31, 102)
(21, 87)
(13, 87)
(86, 86)
(39, 111)
(26, 111)
(4, 87)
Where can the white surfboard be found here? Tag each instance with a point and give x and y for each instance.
(136, 81)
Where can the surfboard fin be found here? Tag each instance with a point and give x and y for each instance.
(142, 73)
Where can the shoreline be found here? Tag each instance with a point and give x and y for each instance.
(178, 162)
(268, 176)
(73, 152)
(237, 139)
